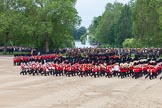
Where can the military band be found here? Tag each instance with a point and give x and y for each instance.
(94, 62)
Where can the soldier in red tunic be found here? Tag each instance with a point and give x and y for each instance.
(95, 71)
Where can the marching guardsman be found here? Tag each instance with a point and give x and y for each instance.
(144, 69)
(66, 66)
(89, 69)
(60, 69)
(16, 60)
(102, 69)
(95, 71)
(82, 70)
(57, 70)
(136, 71)
(23, 70)
(73, 70)
(50, 68)
(69, 70)
(43, 70)
(108, 71)
(123, 71)
(116, 69)
(153, 71)
(54, 68)
(86, 69)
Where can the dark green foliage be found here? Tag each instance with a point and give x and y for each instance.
(106, 29)
(43, 24)
(140, 20)
(146, 23)
(123, 26)
(77, 33)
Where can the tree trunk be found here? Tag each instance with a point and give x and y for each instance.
(5, 42)
(46, 43)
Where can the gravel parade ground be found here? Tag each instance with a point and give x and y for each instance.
(18, 91)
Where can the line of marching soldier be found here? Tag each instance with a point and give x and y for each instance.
(135, 69)
(17, 60)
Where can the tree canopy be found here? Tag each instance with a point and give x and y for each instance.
(78, 32)
(45, 24)
(139, 20)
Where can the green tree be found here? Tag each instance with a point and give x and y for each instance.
(124, 26)
(77, 33)
(129, 43)
(146, 24)
(8, 19)
(94, 25)
(45, 24)
(105, 31)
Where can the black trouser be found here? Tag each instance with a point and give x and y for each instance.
(115, 73)
(102, 73)
(151, 75)
(95, 74)
(81, 73)
(136, 75)
(107, 74)
(122, 74)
